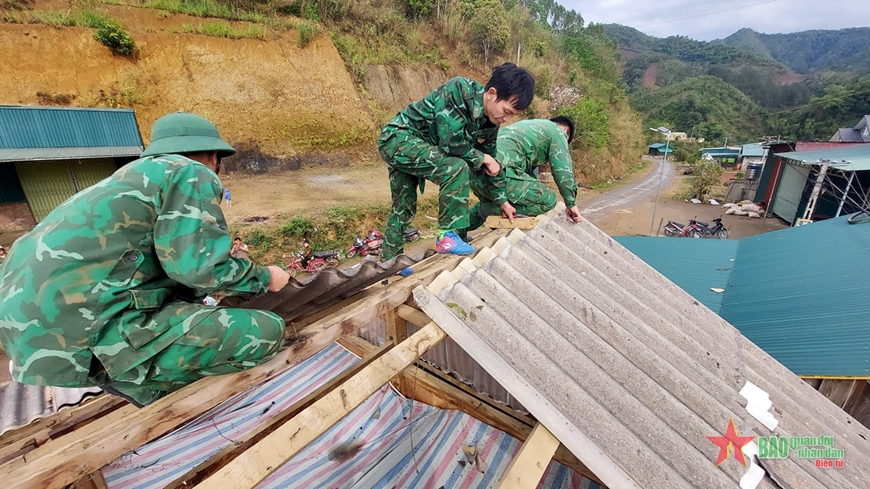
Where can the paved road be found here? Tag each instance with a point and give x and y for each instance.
(631, 195)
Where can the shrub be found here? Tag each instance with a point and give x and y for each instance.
(115, 38)
(307, 30)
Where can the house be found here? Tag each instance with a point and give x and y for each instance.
(659, 149)
(628, 381)
(677, 136)
(726, 156)
(858, 134)
(840, 173)
(49, 153)
(792, 292)
(751, 154)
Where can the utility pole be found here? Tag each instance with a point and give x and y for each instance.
(667, 133)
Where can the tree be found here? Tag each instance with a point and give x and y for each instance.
(706, 175)
(489, 28)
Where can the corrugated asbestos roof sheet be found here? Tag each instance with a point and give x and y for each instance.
(401, 443)
(67, 127)
(54, 154)
(21, 404)
(801, 295)
(626, 371)
(848, 135)
(849, 157)
(696, 265)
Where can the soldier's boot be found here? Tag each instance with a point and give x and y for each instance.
(450, 243)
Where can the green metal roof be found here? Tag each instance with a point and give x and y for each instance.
(696, 265)
(849, 157)
(51, 133)
(799, 293)
(722, 150)
(754, 149)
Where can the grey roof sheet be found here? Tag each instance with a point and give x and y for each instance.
(625, 368)
(849, 135)
(54, 154)
(21, 404)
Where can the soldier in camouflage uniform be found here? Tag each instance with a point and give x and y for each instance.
(445, 138)
(523, 147)
(107, 289)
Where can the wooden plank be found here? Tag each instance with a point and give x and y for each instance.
(91, 481)
(271, 452)
(231, 452)
(356, 345)
(397, 328)
(498, 222)
(527, 468)
(414, 316)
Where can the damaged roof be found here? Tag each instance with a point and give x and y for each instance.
(627, 370)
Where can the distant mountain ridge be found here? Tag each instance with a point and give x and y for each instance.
(845, 50)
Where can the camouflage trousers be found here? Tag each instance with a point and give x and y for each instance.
(411, 162)
(529, 196)
(222, 341)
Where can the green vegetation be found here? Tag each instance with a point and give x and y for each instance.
(706, 175)
(222, 28)
(114, 37)
(108, 32)
(208, 8)
(307, 30)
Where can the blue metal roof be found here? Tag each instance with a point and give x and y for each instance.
(799, 293)
(696, 265)
(849, 157)
(66, 127)
(754, 149)
(723, 150)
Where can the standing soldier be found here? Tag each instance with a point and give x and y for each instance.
(445, 138)
(107, 290)
(523, 147)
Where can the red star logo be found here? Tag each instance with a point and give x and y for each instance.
(725, 443)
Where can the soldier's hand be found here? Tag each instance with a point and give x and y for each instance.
(490, 165)
(508, 211)
(573, 214)
(278, 278)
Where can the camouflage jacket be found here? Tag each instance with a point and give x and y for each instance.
(525, 145)
(451, 118)
(88, 280)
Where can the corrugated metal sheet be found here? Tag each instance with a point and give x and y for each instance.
(67, 127)
(696, 265)
(789, 191)
(621, 366)
(21, 404)
(848, 157)
(48, 154)
(801, 295)
(754, 149)
(46, 185)
(90, 172)
(402, 443)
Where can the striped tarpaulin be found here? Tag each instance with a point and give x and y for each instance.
(389, 441)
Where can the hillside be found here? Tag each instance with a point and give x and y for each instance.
(297, 82)
(844, 50)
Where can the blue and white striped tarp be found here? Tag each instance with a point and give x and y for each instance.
(389, 441)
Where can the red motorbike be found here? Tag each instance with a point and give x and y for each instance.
(370, 246)
(320, 260)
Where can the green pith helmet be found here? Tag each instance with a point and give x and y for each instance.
(181, 132)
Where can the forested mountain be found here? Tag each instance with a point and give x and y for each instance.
(845, 50)
(683, 83)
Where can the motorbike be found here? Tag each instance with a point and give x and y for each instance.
(411, 234)
(319, 261)
(691, 230)
(718, 230)
(370, 246)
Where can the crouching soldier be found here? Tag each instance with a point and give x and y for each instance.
(523, 147)
(445, 138)
(107, 289)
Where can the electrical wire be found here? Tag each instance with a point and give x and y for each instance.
(707, 14)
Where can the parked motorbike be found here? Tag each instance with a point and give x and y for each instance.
(411, 234)
(319, 261)
(691, 230)
(368, 246)
(718, 230)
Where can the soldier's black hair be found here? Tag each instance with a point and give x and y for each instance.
(509, 81)
(565, 121)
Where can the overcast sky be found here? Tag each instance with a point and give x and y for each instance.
(768, 16)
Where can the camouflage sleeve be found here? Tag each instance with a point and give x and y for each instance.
(563, 169)
(192, 240)
(451, 121)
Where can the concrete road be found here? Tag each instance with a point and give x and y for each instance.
(631, 195)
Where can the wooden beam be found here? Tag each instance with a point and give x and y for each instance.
(228, 454)
(91, 481)
(527, 468)
(414, 316)
(358, 346)
(498, 222)
(271, 452)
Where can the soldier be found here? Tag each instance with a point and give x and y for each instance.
(107, 290)
(444, 138)
(523, 147)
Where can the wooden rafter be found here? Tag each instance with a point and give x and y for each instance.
(256, 463)
(527, 468)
